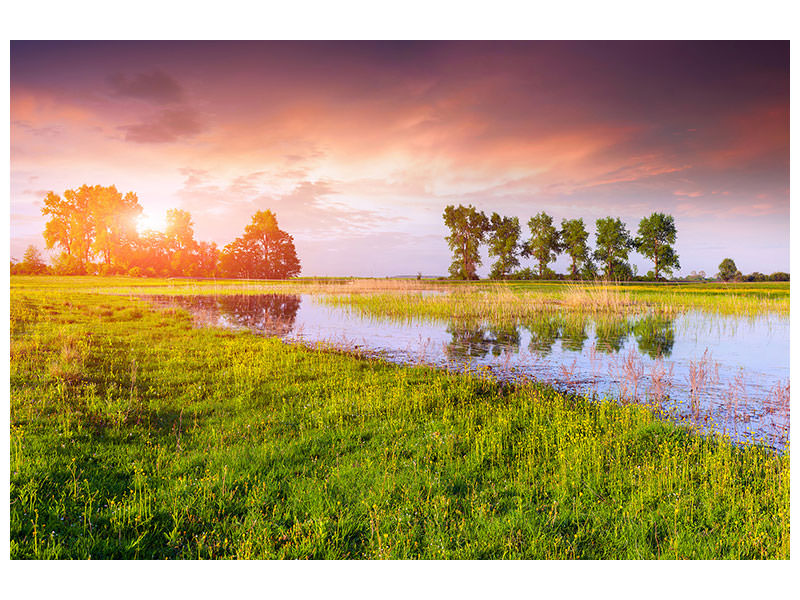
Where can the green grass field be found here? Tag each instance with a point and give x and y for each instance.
(135, 435)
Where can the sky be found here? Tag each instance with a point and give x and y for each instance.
(357, 147)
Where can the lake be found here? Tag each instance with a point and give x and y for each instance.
(720, 373)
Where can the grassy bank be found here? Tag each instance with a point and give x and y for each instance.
(506, 301)
(135, 435)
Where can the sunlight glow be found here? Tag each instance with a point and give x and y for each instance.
(152, 221)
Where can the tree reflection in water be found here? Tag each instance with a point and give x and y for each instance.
(611, 335)
(573, 334)
(504, 339)
(544, 334)
(271, 314)
(468, 341)
(654, 336)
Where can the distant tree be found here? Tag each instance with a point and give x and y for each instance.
(525, 274)
(152, 254)
(613, 245)
(32, 263)
(468, 229)
(544, 244)
(114, 218)
(263, 252)
(182, 247)
(655, 237)
(727, 269)
(755, 277)
(207, 261)
(573, 242)
(779, 276)
(504, 244)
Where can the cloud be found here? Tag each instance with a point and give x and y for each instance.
(169, 125)
(758, 209)
(47, 131)
(156, 87)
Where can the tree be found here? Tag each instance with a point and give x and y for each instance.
(264, 251)
(655, 237)
(573, 242)
(179, 234)
(503, 243)
(70, 227)
(32, 263)
(207, 259)
(89, 221)
(468, 228)
(613, 245)
(114, 219)
(727, 269)
(544, 244)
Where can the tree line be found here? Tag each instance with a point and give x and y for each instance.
(729, 272)
(95, 229)
(470, 228)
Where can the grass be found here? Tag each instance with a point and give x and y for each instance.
(134, 435)
(496, 301)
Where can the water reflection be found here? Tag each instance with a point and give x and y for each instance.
(476, 341)
(272, 314)
(467, 341)
(504, 339)
(573, 335)
(611, 335)
(655, 336)
(544, 334)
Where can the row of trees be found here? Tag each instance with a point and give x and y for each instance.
(95, 229)
(469, 228)
(729, 272)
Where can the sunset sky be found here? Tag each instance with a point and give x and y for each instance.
(358, 146)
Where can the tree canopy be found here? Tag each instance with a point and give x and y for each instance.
(613, 245)
(655, 237)
(544, 244)
(728, 270)
(573, 241)
(264, 251)
(503, 244)
(95, 227)
(468, 229)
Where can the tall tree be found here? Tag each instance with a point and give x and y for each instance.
(504, 244)
(264, 251)
(114, 218)
(545, 244)
(70, 227)
(613, 245)
(728, 270)
(207, 259)
(91, 221)
(468, 229)
(179, 234)
(573, 241)
(655, 237)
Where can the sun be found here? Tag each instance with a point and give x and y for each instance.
(152, 221)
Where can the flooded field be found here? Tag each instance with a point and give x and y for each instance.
(722, 373)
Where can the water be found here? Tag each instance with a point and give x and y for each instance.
(722, 373)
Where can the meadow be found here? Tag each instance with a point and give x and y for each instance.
(136, 435)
